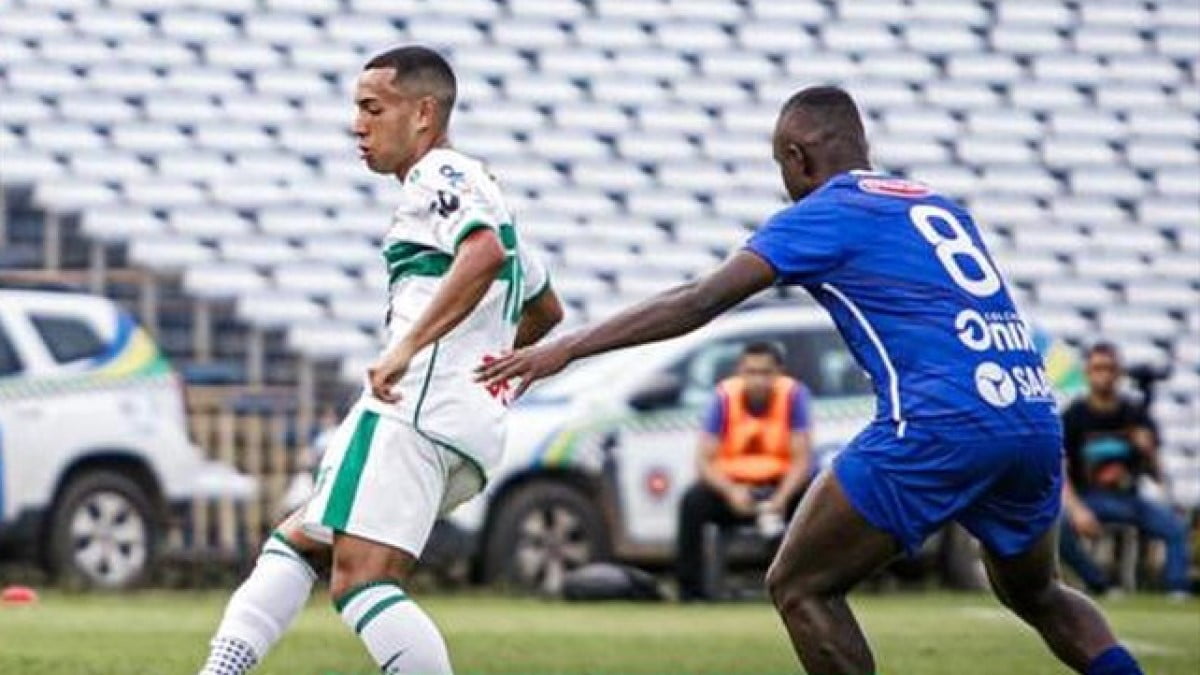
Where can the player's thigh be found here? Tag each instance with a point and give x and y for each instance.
(385, 484)
(291, 528)
(829, 547)
(1019, 579)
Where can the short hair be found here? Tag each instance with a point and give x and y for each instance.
(763, 348)
(1103, 349)
(833, 115)
(423, 69)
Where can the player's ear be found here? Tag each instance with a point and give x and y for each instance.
(795, 153)
(427, 112)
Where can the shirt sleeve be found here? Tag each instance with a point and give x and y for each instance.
(802, 243)
(800, 417)
(536, 277)
(458, 201)
(714, 417)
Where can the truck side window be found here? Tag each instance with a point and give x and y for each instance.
(10, 361)
(68, 338)
(821, 360)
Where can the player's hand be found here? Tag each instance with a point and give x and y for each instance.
(526, 365)
(741, 501)
(1085, 523)
(777, 504)
(387, 371)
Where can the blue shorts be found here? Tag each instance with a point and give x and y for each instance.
(1006, 490)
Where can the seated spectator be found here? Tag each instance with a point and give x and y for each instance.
(753, 460)
(1110, 443)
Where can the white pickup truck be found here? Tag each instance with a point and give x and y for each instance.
(94, 450)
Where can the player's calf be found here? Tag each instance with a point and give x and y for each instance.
(262, 608)
(367, 592)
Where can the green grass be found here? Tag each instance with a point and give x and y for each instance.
(165, 633)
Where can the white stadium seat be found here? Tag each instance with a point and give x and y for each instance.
(223, 281)
(1067, 151)
(120, 223)
(1026, 39)
(858, 37)
(169, 254)
(1078, 123)
(692, 36)
(208, 222)
(983, 67)
(941, 38)
(1106, 182)
(1034, 12)
(773, 37)
(1089, 211)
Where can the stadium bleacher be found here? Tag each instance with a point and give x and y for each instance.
(211, 145)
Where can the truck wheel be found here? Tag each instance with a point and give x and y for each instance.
(542, 531)
(103, 533)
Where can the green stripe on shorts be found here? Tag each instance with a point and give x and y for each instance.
(345, 485)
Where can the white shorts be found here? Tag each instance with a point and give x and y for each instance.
(380, 479)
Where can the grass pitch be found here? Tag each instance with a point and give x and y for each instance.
(165, 633)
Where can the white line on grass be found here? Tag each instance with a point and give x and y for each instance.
(997, 614)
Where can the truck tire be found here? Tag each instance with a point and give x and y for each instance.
(541, 531)
(104, 532)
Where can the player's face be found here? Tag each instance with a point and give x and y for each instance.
(759, 372)
(388, 121)
(1102, 373)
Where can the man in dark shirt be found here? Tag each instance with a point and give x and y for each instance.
(1110, 442)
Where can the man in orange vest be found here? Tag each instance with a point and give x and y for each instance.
(754, 457)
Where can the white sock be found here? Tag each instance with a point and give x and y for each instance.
(261, 609)
(400, 637)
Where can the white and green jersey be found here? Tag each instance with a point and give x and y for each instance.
(445, 197)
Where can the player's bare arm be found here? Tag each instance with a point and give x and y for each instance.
(476, 263)
(667, 315)
(539, 316)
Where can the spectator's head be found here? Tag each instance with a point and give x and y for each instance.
(1103, 368)
(759, 365)
(819, 134)
(403, 100)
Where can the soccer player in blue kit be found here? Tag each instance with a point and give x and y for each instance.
(966, 428)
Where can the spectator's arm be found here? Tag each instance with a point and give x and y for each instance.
(800, 443)
(1078, 514)
(738, 496)
(1143, 438)
(798, 473)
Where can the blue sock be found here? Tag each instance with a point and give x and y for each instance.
(1116, 660)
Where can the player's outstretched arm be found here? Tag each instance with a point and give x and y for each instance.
(476, 262)
(667, 315)
(539, 316)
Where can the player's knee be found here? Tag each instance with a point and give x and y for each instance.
(787, 587)
(1032, 601)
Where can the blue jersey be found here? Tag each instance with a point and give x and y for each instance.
(919, 302)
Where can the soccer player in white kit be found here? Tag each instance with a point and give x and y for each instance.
(423, 436)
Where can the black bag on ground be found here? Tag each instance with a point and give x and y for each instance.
(608, 581)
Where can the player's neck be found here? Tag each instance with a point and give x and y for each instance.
(424, 147)
(839, 166)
